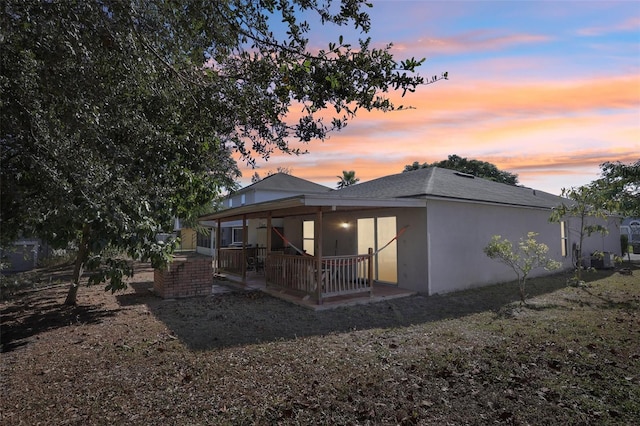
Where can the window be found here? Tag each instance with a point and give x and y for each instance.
(242, 199)
(236, 236)
(204, 239)
(308, 235)
(563, 238)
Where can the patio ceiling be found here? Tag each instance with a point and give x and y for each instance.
(308, 204)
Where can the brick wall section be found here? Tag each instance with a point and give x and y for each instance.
(188, 275)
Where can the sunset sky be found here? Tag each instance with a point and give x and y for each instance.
(545, 89)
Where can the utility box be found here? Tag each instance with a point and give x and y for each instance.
(602, 261)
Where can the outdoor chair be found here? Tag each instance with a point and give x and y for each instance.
(251, 264)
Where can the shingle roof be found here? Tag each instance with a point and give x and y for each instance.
(285, 182)
(444, 183)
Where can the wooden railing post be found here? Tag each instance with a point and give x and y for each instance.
(318, 253)
(244, 248)
(268, 251)
(218, 245)
(370, 272)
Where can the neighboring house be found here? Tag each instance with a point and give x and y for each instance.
(23, 254)
(630, 227)
(426, 228)
(272, 187)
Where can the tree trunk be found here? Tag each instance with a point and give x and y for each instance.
(579, 263)
(522, 292)
(83, 254)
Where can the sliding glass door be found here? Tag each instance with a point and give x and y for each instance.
(375, 233)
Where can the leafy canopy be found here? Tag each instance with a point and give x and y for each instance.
(619, 186)
(481, 169)
(118, 115)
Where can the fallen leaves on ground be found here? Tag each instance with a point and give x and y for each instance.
(572, 356)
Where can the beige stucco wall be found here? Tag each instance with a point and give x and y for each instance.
(597, 242)
(459, 231)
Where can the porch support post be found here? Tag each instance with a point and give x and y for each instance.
(318, 253)
(269, 231)
(218, 240)
(370, 272)
(243, 261)
(268, 251)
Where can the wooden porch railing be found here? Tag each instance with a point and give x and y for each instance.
(230, 258)
(346, 275)
(291, 272)
(340, 274)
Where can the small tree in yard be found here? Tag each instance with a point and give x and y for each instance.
(527, 256)
(583, 202)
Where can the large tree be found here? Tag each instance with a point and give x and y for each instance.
(620, 187)
(117, 115)
(476, 168)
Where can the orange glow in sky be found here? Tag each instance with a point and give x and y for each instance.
(548, 90)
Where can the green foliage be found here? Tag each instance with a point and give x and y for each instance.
(476, 168)
(624, 244)
(583, 202)
(118, 116)
(527, 256)
(257, 178)
(348, 178)
(620, 187)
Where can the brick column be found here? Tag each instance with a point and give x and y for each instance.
(188, 275)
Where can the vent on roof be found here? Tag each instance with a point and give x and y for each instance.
(467, 175)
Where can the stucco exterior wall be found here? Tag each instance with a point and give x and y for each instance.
(609, 242)
(458, 232)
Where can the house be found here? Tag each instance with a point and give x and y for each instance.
(630, 227)
(23, 255)
(422, 231)
(272, 187)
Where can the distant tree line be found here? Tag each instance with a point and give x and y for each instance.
(476, 168)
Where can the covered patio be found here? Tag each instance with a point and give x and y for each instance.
(315, 279)
(256, 281)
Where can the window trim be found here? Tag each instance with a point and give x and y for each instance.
(306, 239)
(564, 239)
(233, 235)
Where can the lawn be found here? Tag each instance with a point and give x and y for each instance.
(572, 356)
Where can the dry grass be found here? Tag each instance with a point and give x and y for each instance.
(571, 357)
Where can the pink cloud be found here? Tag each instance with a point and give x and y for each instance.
(629, 24)
(471, 41)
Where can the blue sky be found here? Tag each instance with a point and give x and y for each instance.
(545, 89)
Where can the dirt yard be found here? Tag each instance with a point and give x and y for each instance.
(572, 356)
